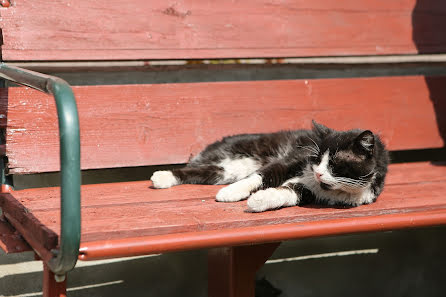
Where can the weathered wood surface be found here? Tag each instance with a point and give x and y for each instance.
(132, 210)
(136, 125)
(10, 239)
(116, 30)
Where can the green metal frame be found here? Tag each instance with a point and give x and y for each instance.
(65, 258)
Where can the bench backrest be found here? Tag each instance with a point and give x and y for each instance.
(136, 125)
(196, 29)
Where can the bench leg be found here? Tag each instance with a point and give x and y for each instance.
(51, 288)
(231, 270)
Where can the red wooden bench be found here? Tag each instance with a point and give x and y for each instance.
(142, 125)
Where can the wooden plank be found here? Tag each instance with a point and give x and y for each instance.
(191, 29)
(136, 125)
(148, 219)
(125, 247)
(36, 233)
(146, 214)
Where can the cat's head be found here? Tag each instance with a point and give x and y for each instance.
(345, 160)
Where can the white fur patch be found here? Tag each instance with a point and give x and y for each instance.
(271, 198)
(164, 179)
(239, 190)
(366, 196)
(235, 170)
(322, 168)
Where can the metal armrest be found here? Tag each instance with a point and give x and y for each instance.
(66, 256)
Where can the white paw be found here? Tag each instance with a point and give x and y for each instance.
(232, 193)
(164, 179)
(271, 199)
(239, 190)
(258, 201)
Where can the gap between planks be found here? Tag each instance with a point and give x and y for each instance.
(423, 58)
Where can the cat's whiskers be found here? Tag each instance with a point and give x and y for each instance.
(309, 148)
(349, 189)
(367, 175)
(350, 186)
(350, 180)
(317, 146)
(352, 183)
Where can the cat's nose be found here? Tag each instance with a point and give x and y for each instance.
(318, 176)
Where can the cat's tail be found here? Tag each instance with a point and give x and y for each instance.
(204, 175)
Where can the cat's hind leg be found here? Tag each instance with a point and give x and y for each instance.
(205, 175)
(288, 194)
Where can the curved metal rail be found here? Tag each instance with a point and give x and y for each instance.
(66, 256)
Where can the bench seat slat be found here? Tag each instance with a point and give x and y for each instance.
(196, 29)
(124, 247)
(137, 125)
(103, 195)
(139, 211)
(203, 213)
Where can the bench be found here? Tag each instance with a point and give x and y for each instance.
(135, 125)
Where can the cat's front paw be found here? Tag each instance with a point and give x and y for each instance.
(271, 198)
(239, 190)
(260, 200)
(164, 179)
(232, 193)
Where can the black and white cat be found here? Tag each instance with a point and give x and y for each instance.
(288, 168)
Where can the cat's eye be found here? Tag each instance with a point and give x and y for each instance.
(314, 158)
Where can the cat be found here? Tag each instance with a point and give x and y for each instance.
(289, 168)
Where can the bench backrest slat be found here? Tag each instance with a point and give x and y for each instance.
(135, 125)
(194, 29)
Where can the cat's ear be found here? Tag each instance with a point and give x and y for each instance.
(320, 129)
(365, 142)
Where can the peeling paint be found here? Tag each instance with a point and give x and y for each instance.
(309, 87)
(173, 12)
(13, 130)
